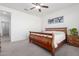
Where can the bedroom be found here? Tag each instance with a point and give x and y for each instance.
(24, 20)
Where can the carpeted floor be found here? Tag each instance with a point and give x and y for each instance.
(24, 48)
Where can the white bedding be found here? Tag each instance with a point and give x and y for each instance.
(58, 36)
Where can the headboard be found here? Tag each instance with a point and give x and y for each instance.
(56, 29)
(63, 29)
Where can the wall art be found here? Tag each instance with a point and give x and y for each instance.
(56, 20)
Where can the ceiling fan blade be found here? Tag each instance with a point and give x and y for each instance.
(34, 3)
(39, 10)
(32, 8)
(44, 6)
(26, 9)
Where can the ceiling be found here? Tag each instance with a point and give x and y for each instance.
(52, 7)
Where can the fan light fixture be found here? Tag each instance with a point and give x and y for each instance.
(37, 7)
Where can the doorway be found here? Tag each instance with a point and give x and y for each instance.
(5, 22)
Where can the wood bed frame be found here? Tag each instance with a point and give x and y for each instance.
(47, 42)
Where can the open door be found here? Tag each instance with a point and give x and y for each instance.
(5, 22)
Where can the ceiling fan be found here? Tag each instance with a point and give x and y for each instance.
(38, 6)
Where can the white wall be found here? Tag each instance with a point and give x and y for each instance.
(22, 23)
(71, 18)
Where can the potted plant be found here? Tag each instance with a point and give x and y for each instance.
(74, 32)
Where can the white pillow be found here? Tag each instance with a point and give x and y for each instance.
(58, 32)
(55, 32)
(48, 31)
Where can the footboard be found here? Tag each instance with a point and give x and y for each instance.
(43, 41)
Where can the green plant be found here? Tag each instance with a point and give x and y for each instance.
(74, 31)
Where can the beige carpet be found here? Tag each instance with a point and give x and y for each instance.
(24, 48)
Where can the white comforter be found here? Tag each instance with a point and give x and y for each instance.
(58, 38)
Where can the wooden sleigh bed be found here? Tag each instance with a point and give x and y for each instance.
(46, 40)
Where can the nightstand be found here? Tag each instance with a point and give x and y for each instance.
(73, 40)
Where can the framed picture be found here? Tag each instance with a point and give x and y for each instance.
(56, 20)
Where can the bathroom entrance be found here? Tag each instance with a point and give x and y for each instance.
(5, 24)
